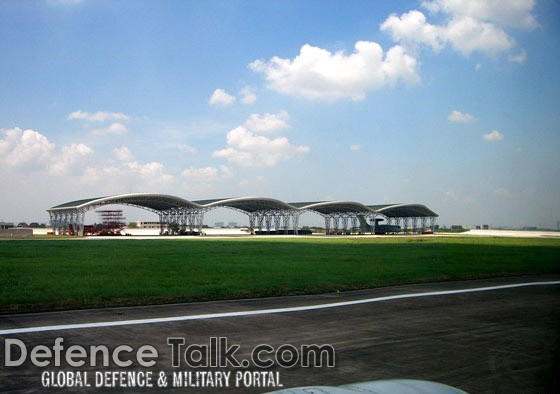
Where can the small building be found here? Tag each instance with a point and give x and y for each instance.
(6, 225)
(148, 225)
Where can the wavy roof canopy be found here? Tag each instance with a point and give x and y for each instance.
(163, 202)
(251, 204)
(329, 207)
(405, 210)
(150, 201)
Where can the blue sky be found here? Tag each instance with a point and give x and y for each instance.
(449, 103)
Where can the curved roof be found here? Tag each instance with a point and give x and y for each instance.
(150, 201)
(250, 204)
(405, 210)
(163, 202)
(328, 207)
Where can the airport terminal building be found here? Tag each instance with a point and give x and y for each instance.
(266, 215)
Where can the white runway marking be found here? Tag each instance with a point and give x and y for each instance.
(265, 311)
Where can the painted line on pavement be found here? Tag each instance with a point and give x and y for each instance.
(174, 319)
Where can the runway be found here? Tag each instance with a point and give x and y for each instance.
(501, 339)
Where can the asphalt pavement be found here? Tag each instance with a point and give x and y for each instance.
(502, 340)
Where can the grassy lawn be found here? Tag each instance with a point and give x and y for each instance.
(67, 274)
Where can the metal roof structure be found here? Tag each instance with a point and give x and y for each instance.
(329, 207)
(262, 211)
(150, 201)
(405, 210)
(250, 204)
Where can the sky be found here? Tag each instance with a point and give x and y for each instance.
(448, 103)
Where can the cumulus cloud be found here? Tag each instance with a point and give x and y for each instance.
(248, 95)
(268, 122)
(493, 136)
(473, 26)
(519, 57)
(412, 28)
(247, 149)
(123, 154)
(100, 116)
(30, 156)
(460, 117)
(221, 97)
(129, 170)
(113, 129)
(464, 33)
(206, 174)
(517, 13)
(317, 73)
(71, 159)
(152, 169)
(186, 148)
(25, 148)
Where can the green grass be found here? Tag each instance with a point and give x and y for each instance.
(65, 274)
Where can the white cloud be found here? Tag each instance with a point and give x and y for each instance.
(467, 35)
(355, 147)
(247, 149)
(152, 169)
(411, 28)
(464, 33)
(70, 160)
(123, 154)
(248, 95)
(25, 148)
(206, 174)
(100, 116)
(518, 58)
(129, 171)
(268, 122)
(30, 157)
(186, 148)
(493, 136)
(317, 73)
(113, 129)
(221, 97)
(127, 176)
(460, 117)
(514, 13)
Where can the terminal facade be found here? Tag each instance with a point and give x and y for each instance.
(266, 215)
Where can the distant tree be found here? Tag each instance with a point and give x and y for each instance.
(132, 225)
(173, 228)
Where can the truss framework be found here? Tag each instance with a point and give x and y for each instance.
(265, 214)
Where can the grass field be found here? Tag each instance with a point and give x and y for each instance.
(59, 274)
